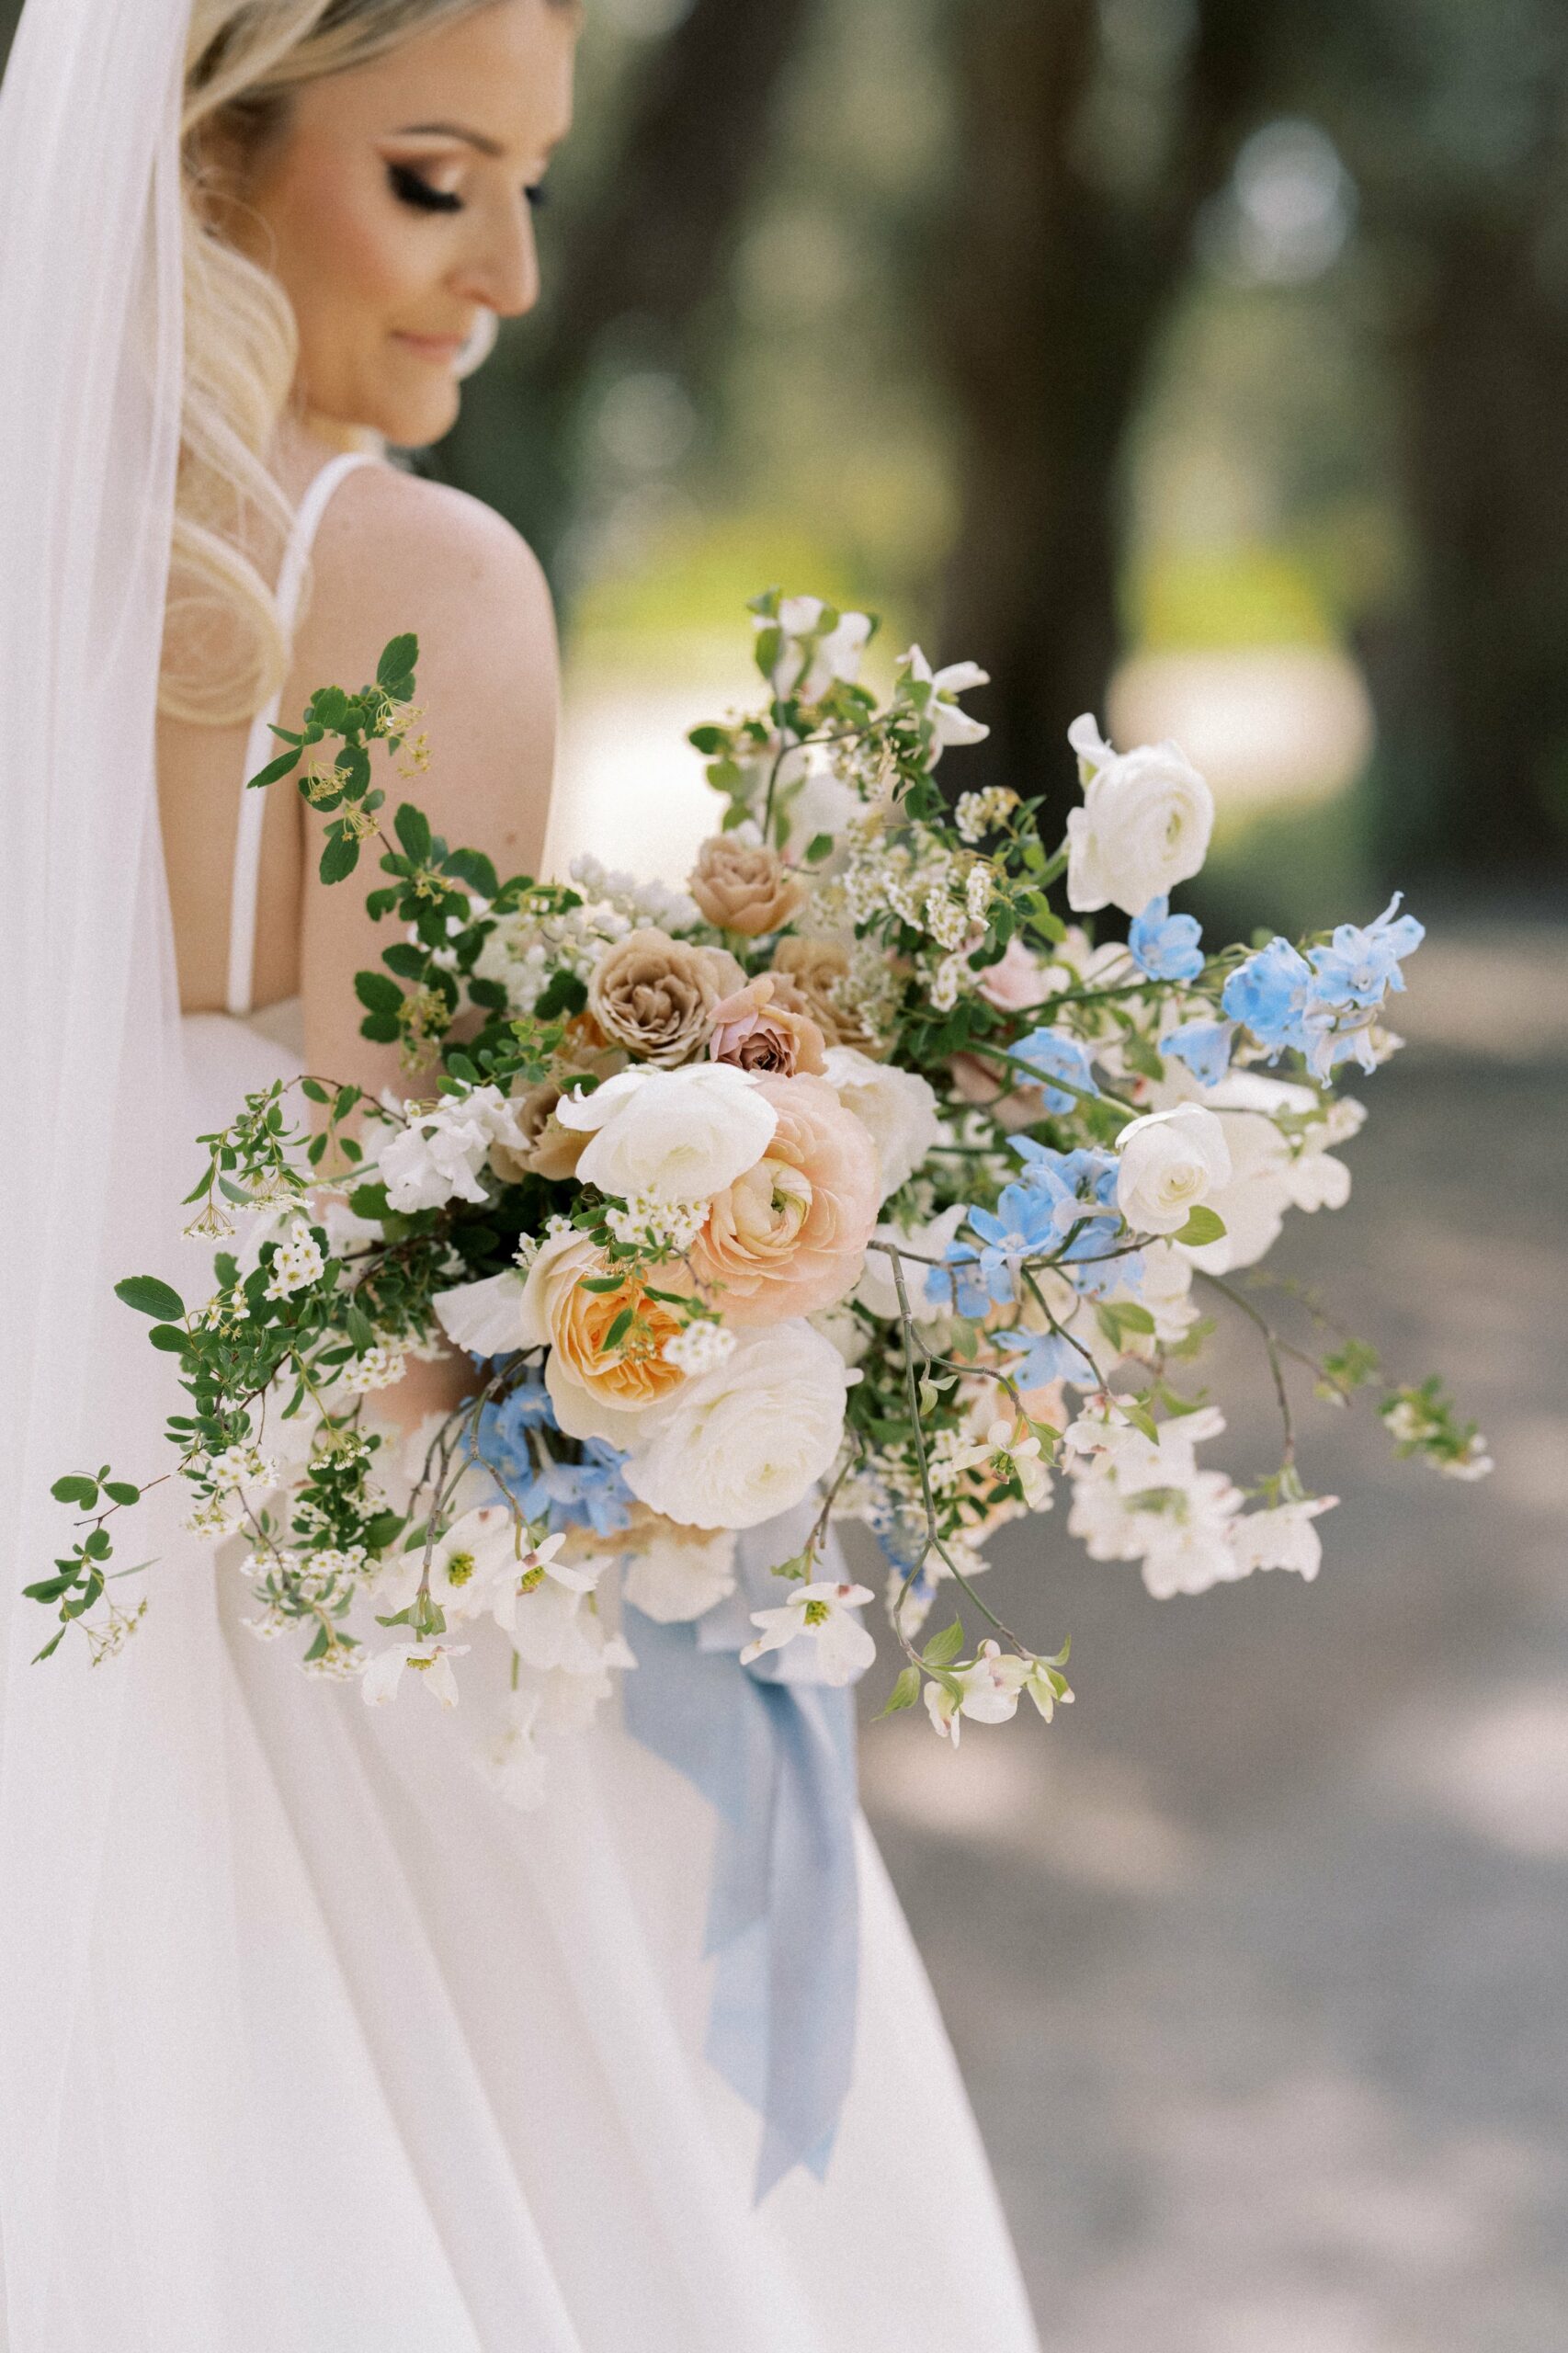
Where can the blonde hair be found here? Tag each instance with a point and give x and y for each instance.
(226, 650)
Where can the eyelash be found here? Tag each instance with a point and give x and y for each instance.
(410, 189)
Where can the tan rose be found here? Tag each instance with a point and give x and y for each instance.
(547, 1149)
(655, 995)
(817, 970)
(744, 886)
(756, 1030)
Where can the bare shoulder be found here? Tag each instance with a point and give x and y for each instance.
(394, 553)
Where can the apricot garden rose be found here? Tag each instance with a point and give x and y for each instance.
(788, 1234)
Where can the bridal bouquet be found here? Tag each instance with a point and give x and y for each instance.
(857, 1169)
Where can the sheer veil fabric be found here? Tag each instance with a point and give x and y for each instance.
(111, 1848)
(308, 2043)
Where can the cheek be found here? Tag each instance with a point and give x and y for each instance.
(346, 256)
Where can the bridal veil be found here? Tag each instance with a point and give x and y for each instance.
(114, 2047)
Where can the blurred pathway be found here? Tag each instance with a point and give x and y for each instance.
(1257, 1959)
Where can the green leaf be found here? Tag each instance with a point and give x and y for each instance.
(284, 765)
(395, 667)
(148, 1296)
(378, 992)
(340, 857)
(382, 1027)
(471, 865)
(617, 1331)
(943, 1648)
(817, 848)
(706, 740)
(51, 1588)
(1203, 1225)
(171, 1338)
(120, 1491)
(49, 1647)
(369, 1200)
(312, 1090)
(76, 1491)
(413, 829)
(905, 1693)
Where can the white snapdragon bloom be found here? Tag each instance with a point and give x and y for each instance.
(951, 725)
(1144, 825)
(1171, 1162)
(736, 1446)
(431, 1661)
(897, 1108)
(844, 1648)
(438, 1156)
(806, 669)
(1283, 1538)
(682, 1134)
(483, 1317)
(679, 1573)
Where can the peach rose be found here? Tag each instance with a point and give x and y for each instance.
(596, 1393)
(756, 1030)
(976, 1081)
(1016, 980)
(744, 886)
(655, 996)
(790, 1237)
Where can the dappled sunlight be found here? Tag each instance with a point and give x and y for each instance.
(1262, 723)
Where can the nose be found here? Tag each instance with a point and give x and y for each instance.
(502, 272)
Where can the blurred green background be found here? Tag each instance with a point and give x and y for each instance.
(1202, 359)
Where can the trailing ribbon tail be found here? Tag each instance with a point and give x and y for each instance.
(773, 1752)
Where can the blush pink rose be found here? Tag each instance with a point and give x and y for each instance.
(790, 1237)
(1016, 980)
(759, 1030)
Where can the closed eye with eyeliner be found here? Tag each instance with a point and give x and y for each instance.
(410, 188)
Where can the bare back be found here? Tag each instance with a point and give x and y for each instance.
(391, 553)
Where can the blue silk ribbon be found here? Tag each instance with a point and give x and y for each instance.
(773, 1751)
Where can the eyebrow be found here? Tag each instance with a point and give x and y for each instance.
(451, 130)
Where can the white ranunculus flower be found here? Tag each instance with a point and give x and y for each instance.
(1254, 1198)
(682, 1134)
(1144, 824)
(897, 1108)
(750, 1438)
(1170, 1162)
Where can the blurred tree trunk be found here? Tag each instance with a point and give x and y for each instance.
(1475, 776)
(1057, 282)
(641, 265)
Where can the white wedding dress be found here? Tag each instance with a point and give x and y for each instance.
(473, 2112)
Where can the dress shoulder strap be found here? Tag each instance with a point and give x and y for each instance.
(262, 745)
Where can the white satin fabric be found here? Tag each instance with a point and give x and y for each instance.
(473, 2107)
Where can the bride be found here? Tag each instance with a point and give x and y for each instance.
(310, 2042)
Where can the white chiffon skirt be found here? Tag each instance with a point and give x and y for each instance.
(473, 2113)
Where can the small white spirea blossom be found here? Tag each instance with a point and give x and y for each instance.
(266, 1628)
(379, 1368)
(242, 1465)
(977, 892)
(699, 1347)
(214, 1516)
(978, 813)
(650, 1221)
(946, 982)
(296, 1261)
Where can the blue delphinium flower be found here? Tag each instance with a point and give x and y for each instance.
(1358, 966)
(1269, 994)
(1048, 1056)
(589, 1494)
(1078, 1184)
(1035, 1358)
(1022, 1226)
(1204, 1047)
(1166, 946)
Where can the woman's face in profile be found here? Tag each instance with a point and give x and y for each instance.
(398, 200)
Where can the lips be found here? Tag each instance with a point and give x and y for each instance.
(438, 347)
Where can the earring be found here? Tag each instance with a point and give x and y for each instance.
(479, 346)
